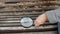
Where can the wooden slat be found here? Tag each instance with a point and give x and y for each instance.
(16, 16)
(18, 24)
(16, 0)
(19, 0)
(33, 4)
(10, 21)
(46, 32)
(28, 9)
(13, 19)
(36, 4)
(21, 29)
(10, 24)
(56, 2)
(19, 13)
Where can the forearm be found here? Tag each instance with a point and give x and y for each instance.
(52, 16)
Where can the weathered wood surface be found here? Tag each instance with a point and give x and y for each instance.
(14, 17)
(28, 9)
(44, 3)
(35, 4)
(50, 32)
(32, 4)
(31, 29)
(11, 24)
(16, 0)
(10, 17)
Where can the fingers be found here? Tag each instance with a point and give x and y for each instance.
(40, 20)
(37, 23)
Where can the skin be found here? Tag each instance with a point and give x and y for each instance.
(41, 19)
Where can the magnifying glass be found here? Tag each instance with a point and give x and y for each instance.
(26, 21)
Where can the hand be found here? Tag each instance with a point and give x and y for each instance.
(40, 20)
(37, 23)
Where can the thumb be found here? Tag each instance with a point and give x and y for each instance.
(36, 23)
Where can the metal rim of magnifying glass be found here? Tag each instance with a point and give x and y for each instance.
(26, 17)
